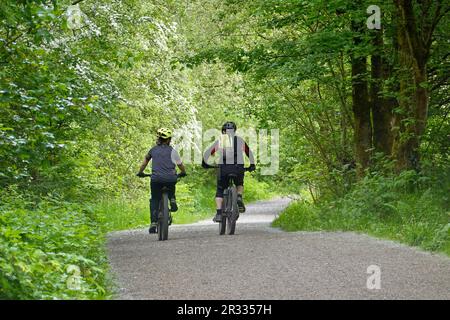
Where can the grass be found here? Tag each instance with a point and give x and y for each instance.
(410, 209)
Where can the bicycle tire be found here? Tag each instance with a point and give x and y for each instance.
(160, 214)
(225, 205)
(234, 211)
(160, 235)
(163, 229)
(223, 226)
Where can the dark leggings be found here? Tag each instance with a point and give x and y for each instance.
(156, 190)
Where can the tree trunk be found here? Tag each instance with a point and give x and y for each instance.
(381, 106)
(361, 107)
(413, 95)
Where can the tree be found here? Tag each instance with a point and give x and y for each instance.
(417, 23)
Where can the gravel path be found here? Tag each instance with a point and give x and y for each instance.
(261, 262)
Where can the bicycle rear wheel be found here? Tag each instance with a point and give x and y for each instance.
(163, 223)
(234, 211)
(225, 211)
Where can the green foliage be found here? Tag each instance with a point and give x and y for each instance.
(49, 94)
(297, 78)
(43, 245)
(296, 61)
(411, 208)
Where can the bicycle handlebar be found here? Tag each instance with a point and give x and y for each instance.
(216, 166)
(144, 175)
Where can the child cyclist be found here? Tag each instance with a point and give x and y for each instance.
(164, 159)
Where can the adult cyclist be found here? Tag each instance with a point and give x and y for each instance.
(164, 174)
(230, 148)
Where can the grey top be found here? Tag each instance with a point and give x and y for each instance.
(164, 159)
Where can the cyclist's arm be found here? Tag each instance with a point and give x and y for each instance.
(182, 168)
(249, 154)
(250, 157)
(177, 160)
(147, 159)
(144, 164)
(210, 151)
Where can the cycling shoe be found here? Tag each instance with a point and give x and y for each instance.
(153, 228)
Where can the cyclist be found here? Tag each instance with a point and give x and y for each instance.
(230, 148)
(164, 174)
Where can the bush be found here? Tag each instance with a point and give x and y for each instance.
(51, 251)
(411, 208)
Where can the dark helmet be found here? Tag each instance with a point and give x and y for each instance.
(229, 126)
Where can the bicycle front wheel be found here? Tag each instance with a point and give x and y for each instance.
(163, 225)
(223, 225)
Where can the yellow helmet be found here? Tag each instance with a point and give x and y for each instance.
(164, 133)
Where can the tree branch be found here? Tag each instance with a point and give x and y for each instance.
(436, 18)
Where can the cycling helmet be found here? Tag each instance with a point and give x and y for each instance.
(229, 126)
(164, 133)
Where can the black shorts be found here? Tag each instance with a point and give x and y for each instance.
(222, 178)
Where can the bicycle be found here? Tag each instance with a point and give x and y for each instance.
(164, 214)
(230, 209)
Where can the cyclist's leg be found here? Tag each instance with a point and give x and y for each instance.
(221, 185)
(156, 188)
(239, 182)
(172, 198)
(219, 190)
